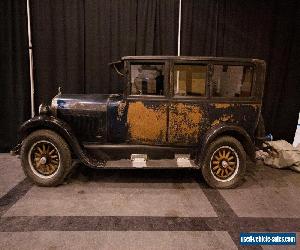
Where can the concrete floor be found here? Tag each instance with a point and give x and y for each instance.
(143, 209)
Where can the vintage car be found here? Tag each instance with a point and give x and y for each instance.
(195, 112)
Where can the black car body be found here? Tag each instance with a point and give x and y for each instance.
(170, 105)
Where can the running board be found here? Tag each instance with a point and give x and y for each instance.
(124, 151)
(141, 161)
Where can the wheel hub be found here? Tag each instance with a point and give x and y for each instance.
(224, 164)
(43, 160)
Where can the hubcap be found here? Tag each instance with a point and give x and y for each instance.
(224, 163)
(44, 158)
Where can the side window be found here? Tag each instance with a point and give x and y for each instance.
(189, 80)
(147, 79)
(232, 81)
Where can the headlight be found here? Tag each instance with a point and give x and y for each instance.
(43, 109)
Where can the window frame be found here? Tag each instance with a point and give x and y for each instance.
(241, 98)
(150, 62)
(172, 79)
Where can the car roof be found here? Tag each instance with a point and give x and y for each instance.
(193, 58)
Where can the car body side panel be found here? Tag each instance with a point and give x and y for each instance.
(116, 121)
(244, 115)
(147, 122)
(86, 115)
(186, 122)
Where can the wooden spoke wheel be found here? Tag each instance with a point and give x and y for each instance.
(224, 163)
(44, 158)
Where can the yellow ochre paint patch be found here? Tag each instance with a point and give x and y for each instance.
(146, 123)
(184, 123)
(222, 105)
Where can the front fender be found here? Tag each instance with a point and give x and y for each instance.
(230, 130)
(61, 128)
(47, 122)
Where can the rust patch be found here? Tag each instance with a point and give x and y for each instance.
(121, 109)
(223, 118)
(215, 122)
(255, 106)
(222, 105)
(147, 123)
(184, 123)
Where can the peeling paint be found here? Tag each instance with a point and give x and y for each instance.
(121, 109)
(222, 105)
(215, 122)
(255, 106)
(147, 123)
(184, 123)
(223, 118)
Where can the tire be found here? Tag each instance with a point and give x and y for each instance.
(224, 163)
(45, 158)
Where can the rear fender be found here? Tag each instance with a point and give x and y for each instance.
(227, 130)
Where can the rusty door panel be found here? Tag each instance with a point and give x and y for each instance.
(185, 122)
(241, 114)
(147, 122)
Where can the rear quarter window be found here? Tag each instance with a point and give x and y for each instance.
(232, 80)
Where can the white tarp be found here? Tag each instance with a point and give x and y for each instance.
(280, 154)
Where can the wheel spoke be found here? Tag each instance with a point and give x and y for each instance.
(220, 155)
(217, 158)
(222, 173)
(230, 158)
(47, 169)
(227, 155)
(37, 153)
(226, 172)
(39, 149)
(216, 167)
(230, 168)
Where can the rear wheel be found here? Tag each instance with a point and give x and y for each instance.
(225, 163)
(46, 158)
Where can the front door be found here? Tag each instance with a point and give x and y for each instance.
(187, 112)
(147, 103)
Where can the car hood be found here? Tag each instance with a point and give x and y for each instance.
(81, 102)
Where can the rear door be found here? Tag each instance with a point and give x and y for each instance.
(233, 95)
(188, 105)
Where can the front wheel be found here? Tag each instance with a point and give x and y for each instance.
(224, 163)
(46, 158)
